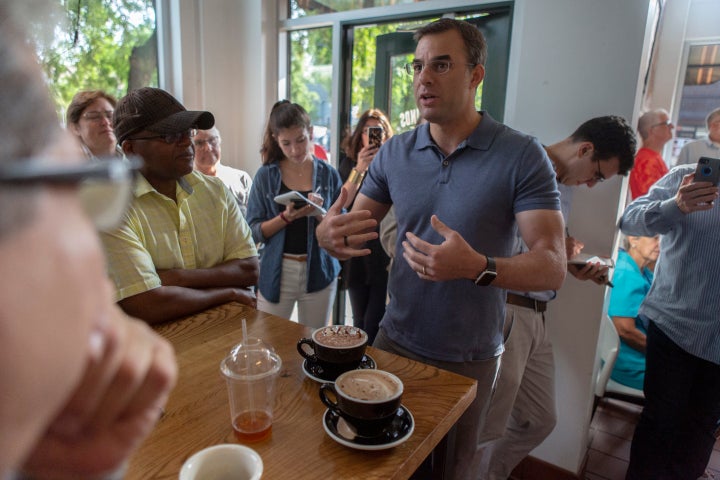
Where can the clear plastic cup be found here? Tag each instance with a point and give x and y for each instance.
(250, 371)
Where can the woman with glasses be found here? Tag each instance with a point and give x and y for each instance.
(365, 277)
(89, 118)
(294, 269)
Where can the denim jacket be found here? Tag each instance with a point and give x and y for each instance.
(322, 268)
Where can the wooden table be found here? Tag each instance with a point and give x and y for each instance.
(198, 414)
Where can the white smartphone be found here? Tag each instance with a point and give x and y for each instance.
(297, 198)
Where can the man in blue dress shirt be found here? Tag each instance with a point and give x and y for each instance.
(679, 424)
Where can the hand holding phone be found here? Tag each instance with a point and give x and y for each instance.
(375, 136)
(708, 170)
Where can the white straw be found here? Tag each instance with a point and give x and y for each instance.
(247, 368)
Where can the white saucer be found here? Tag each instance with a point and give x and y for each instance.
(402, 428)
(312, 373)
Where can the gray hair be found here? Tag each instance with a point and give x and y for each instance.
(712, 116)
(648, 119)
(29, 122)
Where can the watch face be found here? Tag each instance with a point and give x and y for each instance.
(485, 278)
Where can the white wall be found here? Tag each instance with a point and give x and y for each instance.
(228, 69)
(573, 60)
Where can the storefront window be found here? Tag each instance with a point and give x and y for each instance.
(311, 78)
(700, 93)
(103, 45)
(305, 8)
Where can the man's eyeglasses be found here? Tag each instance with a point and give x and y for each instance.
(98, 116)
(599, 177)
(440, 67)
(666, 123)
(211, 142)
(170, 138)
(105, 184)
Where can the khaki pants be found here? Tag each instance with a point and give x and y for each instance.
(464, 461)
(522, 410)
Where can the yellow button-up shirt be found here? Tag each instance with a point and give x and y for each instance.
(203, 229)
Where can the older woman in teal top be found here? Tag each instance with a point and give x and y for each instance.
(632, 280)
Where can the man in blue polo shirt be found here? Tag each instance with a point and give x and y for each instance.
(461, 186)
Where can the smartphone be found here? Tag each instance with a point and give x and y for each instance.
(375, 135)
(299, 203)
(708, 170)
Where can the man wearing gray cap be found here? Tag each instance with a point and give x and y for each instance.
(183, 245)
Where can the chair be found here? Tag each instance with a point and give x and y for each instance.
(609, 345)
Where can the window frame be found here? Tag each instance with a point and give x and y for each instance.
(342, 24)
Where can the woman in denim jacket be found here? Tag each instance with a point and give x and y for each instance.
(294, 269)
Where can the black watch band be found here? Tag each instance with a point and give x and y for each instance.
(488, 275)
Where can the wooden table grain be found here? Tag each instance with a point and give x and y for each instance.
(197, 414)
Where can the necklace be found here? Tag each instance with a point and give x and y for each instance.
(298, 171)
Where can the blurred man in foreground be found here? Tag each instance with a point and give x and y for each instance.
(82, 384)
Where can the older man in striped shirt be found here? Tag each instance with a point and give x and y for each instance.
(679, 424)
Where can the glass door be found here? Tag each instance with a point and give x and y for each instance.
(393, 86)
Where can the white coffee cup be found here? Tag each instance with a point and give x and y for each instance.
(223, 462)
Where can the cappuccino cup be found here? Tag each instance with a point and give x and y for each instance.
(336, 348)
(223, 462)
(368, 400)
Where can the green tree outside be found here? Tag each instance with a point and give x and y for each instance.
(104, 44)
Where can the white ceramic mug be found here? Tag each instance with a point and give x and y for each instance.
(223, 462)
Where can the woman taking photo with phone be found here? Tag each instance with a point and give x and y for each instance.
(293, 268)
(365, 277)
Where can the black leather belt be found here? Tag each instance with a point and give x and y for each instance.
(537, 305)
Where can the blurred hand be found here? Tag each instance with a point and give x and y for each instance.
(446, 261)
(292, 213)
(365, 157)
(694, 197)
(597, 272)
(341, 234)
(246, 296)
(573, 247)
(116, 405)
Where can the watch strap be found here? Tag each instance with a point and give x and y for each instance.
(487, 276)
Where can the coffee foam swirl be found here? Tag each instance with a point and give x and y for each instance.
(369, 386)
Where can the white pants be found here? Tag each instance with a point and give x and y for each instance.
(314, 309)
(522, 409)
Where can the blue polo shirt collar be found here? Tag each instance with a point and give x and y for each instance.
(480, 139)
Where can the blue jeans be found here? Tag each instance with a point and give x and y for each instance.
(676, 432)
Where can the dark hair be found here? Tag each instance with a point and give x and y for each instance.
(282, 115)
(611, 136)
(475, 45)
(29, 123)
(82, 100)
(353, 143)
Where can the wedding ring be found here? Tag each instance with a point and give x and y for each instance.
(345, 240)
(424, 272)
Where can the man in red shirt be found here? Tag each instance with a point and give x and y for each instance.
(655, 130)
